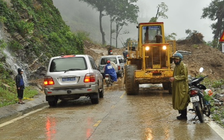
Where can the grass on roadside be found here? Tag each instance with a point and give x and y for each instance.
(218, 115)
(9, 97)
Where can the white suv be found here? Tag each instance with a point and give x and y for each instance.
(70, 76)
(117, 59)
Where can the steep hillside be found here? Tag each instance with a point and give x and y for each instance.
(32, 32)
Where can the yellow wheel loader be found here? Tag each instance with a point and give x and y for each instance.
(152, 62)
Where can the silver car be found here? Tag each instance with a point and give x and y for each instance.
(118, 61)
(70, 76)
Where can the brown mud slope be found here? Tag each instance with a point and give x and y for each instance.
(212, 60)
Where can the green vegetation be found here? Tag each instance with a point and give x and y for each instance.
(35, 27)
(8, 93)
(214, 11)
(161, 10)
(218, 115)
(217, 84)
(217, 112)
(3, 44)
(9, 96)
(33, 20)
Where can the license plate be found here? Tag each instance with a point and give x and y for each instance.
(106, 78)
(194, 99)
(68, 79)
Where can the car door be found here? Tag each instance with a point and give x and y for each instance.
(99, 76)
(121, 62)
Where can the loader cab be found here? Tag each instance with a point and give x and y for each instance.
(152, 34)
(154, 51)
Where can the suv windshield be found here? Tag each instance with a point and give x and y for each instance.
(104, 60)
(68, 64)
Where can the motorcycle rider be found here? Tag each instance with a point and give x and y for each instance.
(110, 51)
(108, 69)
(180, 96)
(125, 54)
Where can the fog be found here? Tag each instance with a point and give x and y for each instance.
(182, 15)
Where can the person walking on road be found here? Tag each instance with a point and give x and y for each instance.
(180, 96)
(20, 85)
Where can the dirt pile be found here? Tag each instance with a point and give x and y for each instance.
(96, 51)
(201, 55)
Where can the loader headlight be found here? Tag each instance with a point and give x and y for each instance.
(147, 48)
(164, 47)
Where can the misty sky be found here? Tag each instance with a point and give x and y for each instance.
(182, 15)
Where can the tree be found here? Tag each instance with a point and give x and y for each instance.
(161, 9)
(99, 5)
(171, 36)
(194, 36)
(120, 11)
(215, 12)
(126, 12)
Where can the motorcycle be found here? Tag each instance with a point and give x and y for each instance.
(110, 52)
(108, 80)
(197, 94)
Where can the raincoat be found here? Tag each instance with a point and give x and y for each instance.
(111, 71)
(19, 84)
(19, 80)
(180, 96)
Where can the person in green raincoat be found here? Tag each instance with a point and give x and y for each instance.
(180, 96)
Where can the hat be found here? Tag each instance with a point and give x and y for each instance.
(19, 70)
(176, 57)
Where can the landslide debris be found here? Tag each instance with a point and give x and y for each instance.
(201, 55)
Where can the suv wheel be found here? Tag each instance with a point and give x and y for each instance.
(101, 91)
(95, 98)
(120, 75)
(53, 103)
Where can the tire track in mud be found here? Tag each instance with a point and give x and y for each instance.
(118, 85)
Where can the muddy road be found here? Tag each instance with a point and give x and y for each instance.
(147, 116)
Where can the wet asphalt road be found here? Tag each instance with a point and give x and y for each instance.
(147, 116)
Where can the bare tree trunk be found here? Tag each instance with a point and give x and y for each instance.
(116, 33)
(157, 13)
(101, 29)
(111, 31)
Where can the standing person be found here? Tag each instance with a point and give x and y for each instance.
(20, 85)
(125, 54)
(110, 70)
(180, 96)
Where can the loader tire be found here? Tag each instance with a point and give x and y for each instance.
(167, 86)
(131, 86)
